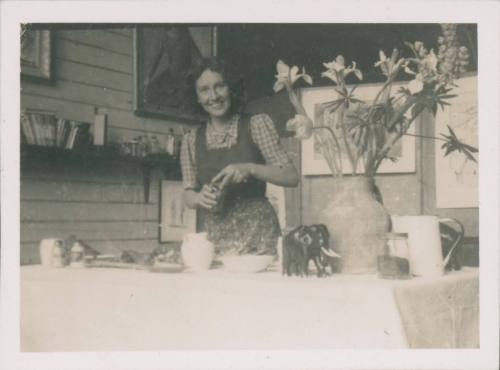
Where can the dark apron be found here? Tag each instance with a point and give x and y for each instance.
(245, 221)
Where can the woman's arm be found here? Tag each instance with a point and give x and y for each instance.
(278, 175)
(240, 172)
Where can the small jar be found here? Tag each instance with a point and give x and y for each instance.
(154, 145)
(77, 255)
(393, 258)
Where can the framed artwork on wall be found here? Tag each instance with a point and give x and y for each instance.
(313, 163)
(176, 219)
(163, 53)
(457, 177)
(36, 54)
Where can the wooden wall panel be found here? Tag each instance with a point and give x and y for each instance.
(94, 96)
(89, 232)
(94, 56)
(90, 75)
(98, 39)
(102, 204)
(86, 211)
(35, 189)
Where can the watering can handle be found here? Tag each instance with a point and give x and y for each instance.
(457, 240)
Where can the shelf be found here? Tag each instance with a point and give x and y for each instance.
(94, 156)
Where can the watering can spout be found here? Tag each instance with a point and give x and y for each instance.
(456, 241)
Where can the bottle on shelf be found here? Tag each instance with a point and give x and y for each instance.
(154, 145)
(170, 142)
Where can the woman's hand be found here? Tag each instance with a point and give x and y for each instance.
(206, 198)
(233, 173)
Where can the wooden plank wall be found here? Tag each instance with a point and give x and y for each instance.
(102, 206)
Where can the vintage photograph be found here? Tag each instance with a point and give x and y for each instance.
(255, 186)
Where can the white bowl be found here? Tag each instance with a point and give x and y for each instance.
(247, 263)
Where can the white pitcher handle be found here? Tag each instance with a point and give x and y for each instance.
(458, 239)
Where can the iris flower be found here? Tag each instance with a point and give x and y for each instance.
(390, 67)
(287, 76)
(336, 67)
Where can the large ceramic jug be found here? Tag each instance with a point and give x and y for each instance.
(357, 223)
(197, 251)
(424, 242)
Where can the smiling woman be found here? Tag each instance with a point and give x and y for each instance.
(227, 162)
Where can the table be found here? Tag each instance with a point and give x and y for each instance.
(102, 309)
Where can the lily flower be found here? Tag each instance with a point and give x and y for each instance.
(288, 76)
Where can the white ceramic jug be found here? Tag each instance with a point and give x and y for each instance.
(197, 252)
(424, 243)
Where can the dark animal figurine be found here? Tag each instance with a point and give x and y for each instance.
(305, 243)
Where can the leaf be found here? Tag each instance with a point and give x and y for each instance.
(354, 100)
(451, 132)
(340, 92)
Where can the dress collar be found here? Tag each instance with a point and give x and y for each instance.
(218, 136)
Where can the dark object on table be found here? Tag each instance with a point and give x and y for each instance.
(88, 251)
(451, 243)
(306, 243)
(165, 254)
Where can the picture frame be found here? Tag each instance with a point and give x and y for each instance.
(36, 55)
(457, 177)
(176, 219)
(313, 162)
(163, 53)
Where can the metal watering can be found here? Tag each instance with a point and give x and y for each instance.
(432, 242)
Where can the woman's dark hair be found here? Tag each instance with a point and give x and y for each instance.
(234, 83)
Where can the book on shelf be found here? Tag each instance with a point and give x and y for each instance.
(45, 129)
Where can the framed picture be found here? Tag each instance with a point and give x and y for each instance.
(175, 218)
(457, 177)
(163, 53)
(36, 54)
(313, 163)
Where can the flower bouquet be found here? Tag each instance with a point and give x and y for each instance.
(365, 132)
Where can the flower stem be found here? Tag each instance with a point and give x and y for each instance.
(426, 137)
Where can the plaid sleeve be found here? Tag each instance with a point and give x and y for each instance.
(266, 137)
(188, 164)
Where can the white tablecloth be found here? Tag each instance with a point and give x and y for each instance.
(111, 309)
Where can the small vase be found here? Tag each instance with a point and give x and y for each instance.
(357, 223)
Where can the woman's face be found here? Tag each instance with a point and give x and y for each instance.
(213, 94)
